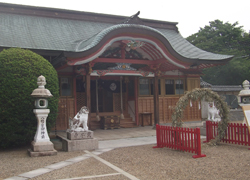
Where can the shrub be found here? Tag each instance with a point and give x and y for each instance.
(19, 70)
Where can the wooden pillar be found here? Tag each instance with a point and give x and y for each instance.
(88, 96)
(74, 89)
(136, 102)
(97, 104)
(156, 100)
(122, 116)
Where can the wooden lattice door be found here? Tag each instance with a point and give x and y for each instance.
(66, 109)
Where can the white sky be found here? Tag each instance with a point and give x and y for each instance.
(190, 14)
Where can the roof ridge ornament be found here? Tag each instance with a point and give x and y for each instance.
(131, 18)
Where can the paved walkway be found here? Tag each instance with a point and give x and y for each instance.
(108, 140)
(121, 133)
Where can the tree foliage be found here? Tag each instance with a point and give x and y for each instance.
(19, 70)
(225, 38)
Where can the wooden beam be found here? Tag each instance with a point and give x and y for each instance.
(122, 115)
(156, 100)
(74, 89)
(136, 101)
(88, 97)
(132, 61)
(97, 103)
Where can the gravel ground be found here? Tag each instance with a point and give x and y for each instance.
(89, 167)
(17, 161)
(224, 161)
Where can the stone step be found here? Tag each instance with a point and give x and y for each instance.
(126, 120)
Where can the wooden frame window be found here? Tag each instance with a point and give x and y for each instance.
(146, 86)
(179, 86)
(174, 86)
(66, 86)
(169, 87)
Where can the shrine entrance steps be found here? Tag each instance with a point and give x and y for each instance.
(127, 122)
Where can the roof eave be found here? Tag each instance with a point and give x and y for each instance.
(149, 32)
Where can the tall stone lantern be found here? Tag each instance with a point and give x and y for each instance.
(244, 102)
(41, 145)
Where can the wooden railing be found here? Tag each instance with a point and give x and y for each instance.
(235, 134)
(178, 138)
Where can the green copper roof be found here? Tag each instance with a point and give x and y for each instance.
(35, 32)
(46, 33)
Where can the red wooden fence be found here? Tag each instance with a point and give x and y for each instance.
(235, 133)
(178, 138)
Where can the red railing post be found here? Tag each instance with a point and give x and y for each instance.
(179, 138)
(158, 137)
(207, 132)
(248, 138)
(198, 150)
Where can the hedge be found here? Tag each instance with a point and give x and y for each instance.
(19, 70)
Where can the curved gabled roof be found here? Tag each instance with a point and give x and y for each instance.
(172, 38)
(164, 43)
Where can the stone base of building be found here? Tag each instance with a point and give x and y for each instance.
(42, 149)
(79, 145)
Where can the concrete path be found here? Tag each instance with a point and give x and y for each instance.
(121, 133)
(127, 142)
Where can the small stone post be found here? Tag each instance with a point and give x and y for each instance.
(41, 146)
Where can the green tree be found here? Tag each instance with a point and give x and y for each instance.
(19, 70)
(225, 38)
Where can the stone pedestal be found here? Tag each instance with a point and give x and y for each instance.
(77, 135)
(41, 146)
(79, 141)
(42, 149)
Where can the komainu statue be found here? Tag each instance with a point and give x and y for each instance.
(81, 118)
(213, 112)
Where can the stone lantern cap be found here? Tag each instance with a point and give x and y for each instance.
(246, 90)
(41, 91)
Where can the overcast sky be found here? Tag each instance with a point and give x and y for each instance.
(190, 14)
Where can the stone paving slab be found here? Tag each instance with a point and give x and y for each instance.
(127, 142)
(104, 150)
(35, 173)
(78, 159)
(59, 165)
(96, 176)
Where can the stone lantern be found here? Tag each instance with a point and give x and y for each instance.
(41, 146)
(244, 102)
(244, 94)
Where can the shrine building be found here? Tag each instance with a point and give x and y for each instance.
(116, 66)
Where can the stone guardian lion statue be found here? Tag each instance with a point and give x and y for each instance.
(81, 118)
